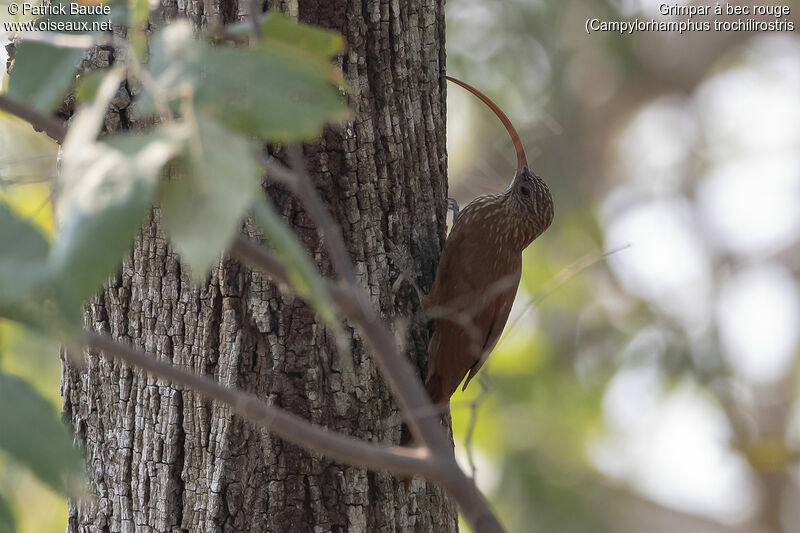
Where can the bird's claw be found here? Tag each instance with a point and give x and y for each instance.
(453, 206)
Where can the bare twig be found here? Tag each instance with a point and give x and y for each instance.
(562, 277)
(330, 230)
(411, 396)
(254, 10)
(134, 65)
(288, 426)
(277, 171)
(23, 159)
(474, 405)
(408, 390)
(299, 182)
(557, 281)
(434, 460)
(40, 122)
(25, 179)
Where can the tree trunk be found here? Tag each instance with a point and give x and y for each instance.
(162, 458)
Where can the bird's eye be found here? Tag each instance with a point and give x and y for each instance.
(524, 190)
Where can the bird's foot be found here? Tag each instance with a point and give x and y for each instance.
(452, 205)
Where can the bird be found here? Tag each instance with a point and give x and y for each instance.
(479, 271)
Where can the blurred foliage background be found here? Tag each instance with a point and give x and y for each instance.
(27, 167)
(651, 390)
(27, 164)
(656, 390)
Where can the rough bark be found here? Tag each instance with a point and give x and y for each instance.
(161, 458)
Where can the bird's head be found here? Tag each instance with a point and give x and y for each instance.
(528, 199)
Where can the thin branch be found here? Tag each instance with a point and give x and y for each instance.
(561, 278)
(291, 427)
(395, 368)
(435, 460)
(474, 405)
(299, 182)
(400, 460)
(135, 67)
(40, 122)
(254, 10)
(213, 17)
(30, 178)
(277, 171)
(23, 159)
(411, 396)
(330, 230)
(407, 389)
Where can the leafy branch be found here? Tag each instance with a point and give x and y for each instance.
(204, 145)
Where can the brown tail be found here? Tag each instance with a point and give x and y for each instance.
(434, 389)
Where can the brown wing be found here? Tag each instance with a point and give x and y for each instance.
(502, 308)
(470, 300)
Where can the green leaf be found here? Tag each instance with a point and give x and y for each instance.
(317, 41)
(278, 93)
(23, 253)
(22, 246)
(33, 435)
(30, 354)
(42, 73)
(279, 28)
(139, 12)
(6, 517)
(203, 207)
(303, 274)
(88, 85)
(107, 189)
